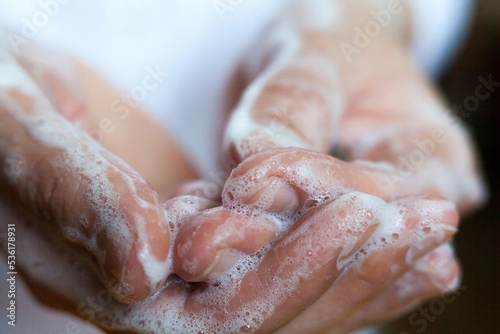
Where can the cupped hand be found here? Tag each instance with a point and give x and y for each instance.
(373, 108)
(303, 241)
(334, 242)
(58, 178)
(345, 248)
(380, 114)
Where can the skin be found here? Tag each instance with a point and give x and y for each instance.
(385, 96)
(382, 86)
(377, 271)
(377, 90)
(56, 197)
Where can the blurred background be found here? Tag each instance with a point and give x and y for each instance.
(477, 308)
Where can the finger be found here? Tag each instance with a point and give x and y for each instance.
(292, 274)
(210, 242)
(263, 197)
(394, 114)
(304, 178)
(200, 188)
(68, 180)
(181, 209)
(89, 102)
(55, 78)
(413, 228)
(215, 240)
(58, 275)
(296, 98)
(435, 274)
(332, 242)
(314, 177)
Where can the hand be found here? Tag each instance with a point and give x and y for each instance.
(351, 242)
(60, 180)
(374, 108)
(63, 271)
(378, 288)
(392, 115)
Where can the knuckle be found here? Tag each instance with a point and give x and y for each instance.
(54, 191)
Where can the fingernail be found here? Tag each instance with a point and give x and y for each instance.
(224, 261)
(281, 197)
(348, 251)
(442, 267)
(115, 280)
(285, 199)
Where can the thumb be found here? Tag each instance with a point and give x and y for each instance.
(295, 100)
(65, 179)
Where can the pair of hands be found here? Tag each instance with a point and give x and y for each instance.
(320, 244)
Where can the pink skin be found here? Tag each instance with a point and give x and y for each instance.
(433, 275)
(195, 258)
(289, 197)
(403, 98)
(386, 111)
(199, 242)
(201, 251)
(69, 98)
(55, 194)
(324, 231)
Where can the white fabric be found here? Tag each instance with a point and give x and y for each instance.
(440, 29)
(200, 45)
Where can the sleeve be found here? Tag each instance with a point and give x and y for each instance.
(440, 28)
